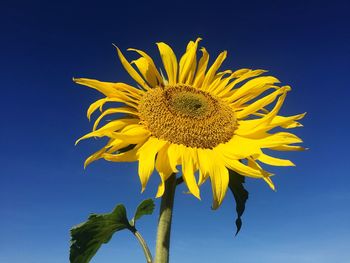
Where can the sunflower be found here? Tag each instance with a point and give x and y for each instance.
(196, 119)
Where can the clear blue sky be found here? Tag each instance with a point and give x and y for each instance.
(44, 190)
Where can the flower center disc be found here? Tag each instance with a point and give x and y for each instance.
(184, 115)
(188, 103)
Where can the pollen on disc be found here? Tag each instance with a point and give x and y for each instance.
(184, 115)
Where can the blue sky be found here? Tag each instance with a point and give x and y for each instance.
(44, 190)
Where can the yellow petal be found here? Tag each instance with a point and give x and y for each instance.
(240, 75)
(218, 81)
(204, 164)
(247, 127)
(161, 186)
(242, 169)
(93, 157)
(126, 110)
(252, 85)
(266, 176)
(146, 156)
(172, 160)
(219, 182)
(244, 75)
(132, 72)
(262, 124)
(150, 63)
(270, 183)
(132, 134)
(238, 148)
(279, 139)
(130, 90)
(220, 87)
(164, 169)
(108, 129)
(257, 105)
(107, 88)
(188, 61)
(274, 161)
(212, 166)
(169, 62)
(146, 70)
(103, 87)
(291, 125)
(94, 106)
(129, 156)
(189, 160)
(116, 144)
(174, 155)
(287, 122)
(249, 97)
(240, 72)
(212, 70)
(202, 67)
(288, 148)
(131, 102)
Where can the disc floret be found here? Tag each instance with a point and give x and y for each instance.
(184, 115)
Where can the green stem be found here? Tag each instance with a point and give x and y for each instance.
(144, 246)
(164, 221)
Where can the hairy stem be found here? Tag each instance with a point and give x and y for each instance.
(164, 221)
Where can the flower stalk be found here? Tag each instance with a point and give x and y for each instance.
(164, 221)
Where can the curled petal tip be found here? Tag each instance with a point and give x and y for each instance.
(214, 207)
(159, 195)
(196, 195)
(77, 80)
(143, 189)
(273, 188)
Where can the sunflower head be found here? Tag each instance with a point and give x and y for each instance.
(196, 119)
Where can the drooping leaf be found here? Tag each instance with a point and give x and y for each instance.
(87, 237)
(146, 207)
(236, 185)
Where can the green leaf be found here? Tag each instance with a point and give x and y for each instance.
(240, 194)
(146, 207)
(87, 237)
